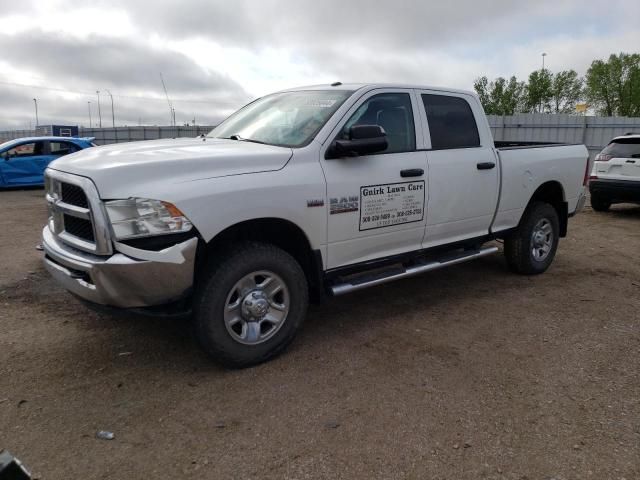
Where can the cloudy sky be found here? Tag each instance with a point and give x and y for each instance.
(216, 55)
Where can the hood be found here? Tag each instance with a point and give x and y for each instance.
(171, 160)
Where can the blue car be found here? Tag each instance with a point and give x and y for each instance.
(23, 161)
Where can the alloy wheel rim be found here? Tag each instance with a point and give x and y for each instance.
(256, 307)
(542, 239)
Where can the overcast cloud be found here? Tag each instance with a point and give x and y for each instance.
(217, 55)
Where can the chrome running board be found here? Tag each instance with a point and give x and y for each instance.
(365, 281)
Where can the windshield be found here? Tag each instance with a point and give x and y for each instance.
(6, 144)
(289, 119)
(623, 148)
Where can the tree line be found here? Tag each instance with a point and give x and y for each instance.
(610, 87)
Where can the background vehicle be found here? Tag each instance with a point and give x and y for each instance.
(23, 161)
(615, 177)
(302, 194)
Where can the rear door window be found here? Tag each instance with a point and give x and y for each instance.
(622, 148)
(451, 122)
(62, 148)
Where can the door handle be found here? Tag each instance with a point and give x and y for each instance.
(412, 172)
(485, 165)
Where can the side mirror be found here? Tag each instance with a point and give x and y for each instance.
(363, 140)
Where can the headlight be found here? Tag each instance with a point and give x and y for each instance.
(141, 217)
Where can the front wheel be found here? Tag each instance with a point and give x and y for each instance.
(250, 305)
(531, 249)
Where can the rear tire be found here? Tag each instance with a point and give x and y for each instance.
(532, 247)
(250, 305)
(600, 204)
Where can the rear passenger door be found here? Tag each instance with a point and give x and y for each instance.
(463, 168)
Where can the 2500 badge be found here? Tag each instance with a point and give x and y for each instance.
(391, 204)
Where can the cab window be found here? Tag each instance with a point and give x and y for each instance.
(391, 111)
(451, 122)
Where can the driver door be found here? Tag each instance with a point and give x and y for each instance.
(376, 202)
(24, 164)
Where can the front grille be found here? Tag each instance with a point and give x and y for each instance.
(79, 227)
(73, 195)
(76, 217)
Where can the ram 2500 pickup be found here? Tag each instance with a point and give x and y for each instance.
(300, 195)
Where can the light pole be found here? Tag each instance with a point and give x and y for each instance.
(99, 112)
(113, 115)
(35, 103)
(89, 106)
(541, 74)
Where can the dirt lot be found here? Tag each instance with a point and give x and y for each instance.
(465, 373)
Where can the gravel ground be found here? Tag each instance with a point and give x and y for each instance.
(466, 373)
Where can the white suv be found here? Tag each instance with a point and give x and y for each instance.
(615, 177)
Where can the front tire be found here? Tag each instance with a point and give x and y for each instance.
(250, 305)
(531, 249)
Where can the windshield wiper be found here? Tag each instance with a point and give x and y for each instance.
(237, 137)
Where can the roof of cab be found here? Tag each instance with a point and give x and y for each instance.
(49, 138)
(373, 86)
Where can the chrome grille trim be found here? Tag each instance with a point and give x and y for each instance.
(95, 213)
(69, 209)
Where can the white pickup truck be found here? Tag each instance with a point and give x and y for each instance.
(300, 195)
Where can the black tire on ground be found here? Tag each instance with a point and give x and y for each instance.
(599, 204)
(211, 300)
(519, 247)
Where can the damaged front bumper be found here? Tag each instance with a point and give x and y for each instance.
(129, 278)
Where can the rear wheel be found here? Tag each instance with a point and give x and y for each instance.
(599, 204)
(531, 249)
(251, 305)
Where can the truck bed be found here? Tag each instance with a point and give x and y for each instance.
(525, 166)
(514, 145)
